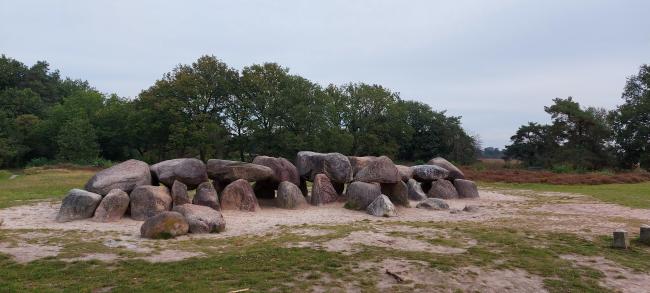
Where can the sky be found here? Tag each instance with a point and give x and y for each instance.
(495, 63)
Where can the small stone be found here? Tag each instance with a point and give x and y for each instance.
(620, 239)
(644, 236)
(382, 207)
(470, 208)
(164, 225)
(433, 204)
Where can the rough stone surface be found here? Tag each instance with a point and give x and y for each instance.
(358, 163)
(226, 171)
(322, 191)
(466, 188)
(78, 204)
(415, 191)
(381, 207)
(442, 189)
(164, 225)
(361, 194)
(283, 170)
(380, 170)
(397, 193)
(239, 195)
(470, 208)
(289, 196)
(179, 193)
(644, 234)
(148, 201)
(454, 172)
(433, 204)
(427, 173)
(405, 172)
(112, 207)
(190, 171)
(206, 195)
(621, 239)
(202, 219)
(336, 166)
(125, 176)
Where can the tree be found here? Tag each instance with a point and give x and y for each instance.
(77, 141)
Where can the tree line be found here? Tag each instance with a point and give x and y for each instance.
(590, 138)
(208, 109)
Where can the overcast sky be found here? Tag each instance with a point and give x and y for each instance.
(495, 63)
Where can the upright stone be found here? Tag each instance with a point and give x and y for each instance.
(239, 196)
(190, 171)
(621, 239)
(289, 196)
(148, 201)
(322, 191)
(644, 235)
(466, 188)
(442, 189)
(78, 204)
(415, 190)
(124, 176)
(381, 207)
(336, 166)
(361, 194)
(179, 193)
(112, 207)
(397, 193)
(206, 195)
(454, 172)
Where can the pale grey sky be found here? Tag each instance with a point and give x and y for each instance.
(496, 63)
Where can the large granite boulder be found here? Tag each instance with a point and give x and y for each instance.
(148, 201)
(381, 207)
(225, 171)
(206, 195)
(336, 166)
(289, 196)
(361, 194)
(190, 171)
(124, 176)
(466, 188)
(112, 207)
(283, 170)
(427, 173)
(433, 204)
(415, 190)
(454, 172)
(202, 219)
(380, 170)
(442, 189)
(179, 193)
(405, 172)
(322, 191)
(164, 225)
(78, 204)
(397, 193)
(359, 163)
(239, 195)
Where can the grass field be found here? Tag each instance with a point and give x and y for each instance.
(39, 185)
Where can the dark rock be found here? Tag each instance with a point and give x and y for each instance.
(124, 176)
(112, 207)
(148, 201)
(336, 166)
(191, 172)
(454, 172)
(206, 195)
(202, 219)
(381, 207)
(433, 204)
(289, 196)
(323, 191)
(380, 170)
(442, 189)
(164, 225)
(361, 194)
(466, 188)
(425, 173)
(397, 193)
(78, 204)
(179, 193)
(283, 170)
(405, 172)
(226, 171)
(239, 195)
(415, 191)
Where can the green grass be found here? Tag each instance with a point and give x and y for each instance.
(635, 195)
(44, 184)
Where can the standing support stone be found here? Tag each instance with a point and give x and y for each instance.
(620, 239)
(645, 234)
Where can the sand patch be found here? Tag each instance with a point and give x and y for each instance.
(171, 256)
(351, 243)
(24, 252)
(617, 278)
(310, 232)
(105, 257)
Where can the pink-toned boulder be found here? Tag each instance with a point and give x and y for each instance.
(148, 201)
(202, 219)
(380, 170)
(225, 171)
(239, 195)
(190, 171)
(206, 195)
(164, 225)
(454, 172)
(112, 207)
(442, 189)
(283, 170)
(124, 176)
(405, 172)
(322, 191)
(179, 193)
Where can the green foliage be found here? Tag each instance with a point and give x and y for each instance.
(77, 141)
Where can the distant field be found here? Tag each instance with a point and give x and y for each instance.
(40, 184)
(477, 173)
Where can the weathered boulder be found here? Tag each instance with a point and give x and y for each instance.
(148, 201)
(202, 219)
(289, 196)
(225, 171)
(405, 172)
(190, 171)
(380, 170)
(415, 191)
(358, 163)
(112, 207)
(78, 204)
(283, 170)
(382, 207)
(361, 194)
(322, 191)
(397, 193)
(425, 173)
(206, 195)
(442, 189)
(336, 166)
(124, 176)
(239, 195)
(265, 189)
(164, 225)
(433, 204)
(454, 172)
(179, 193)
(466, 188)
